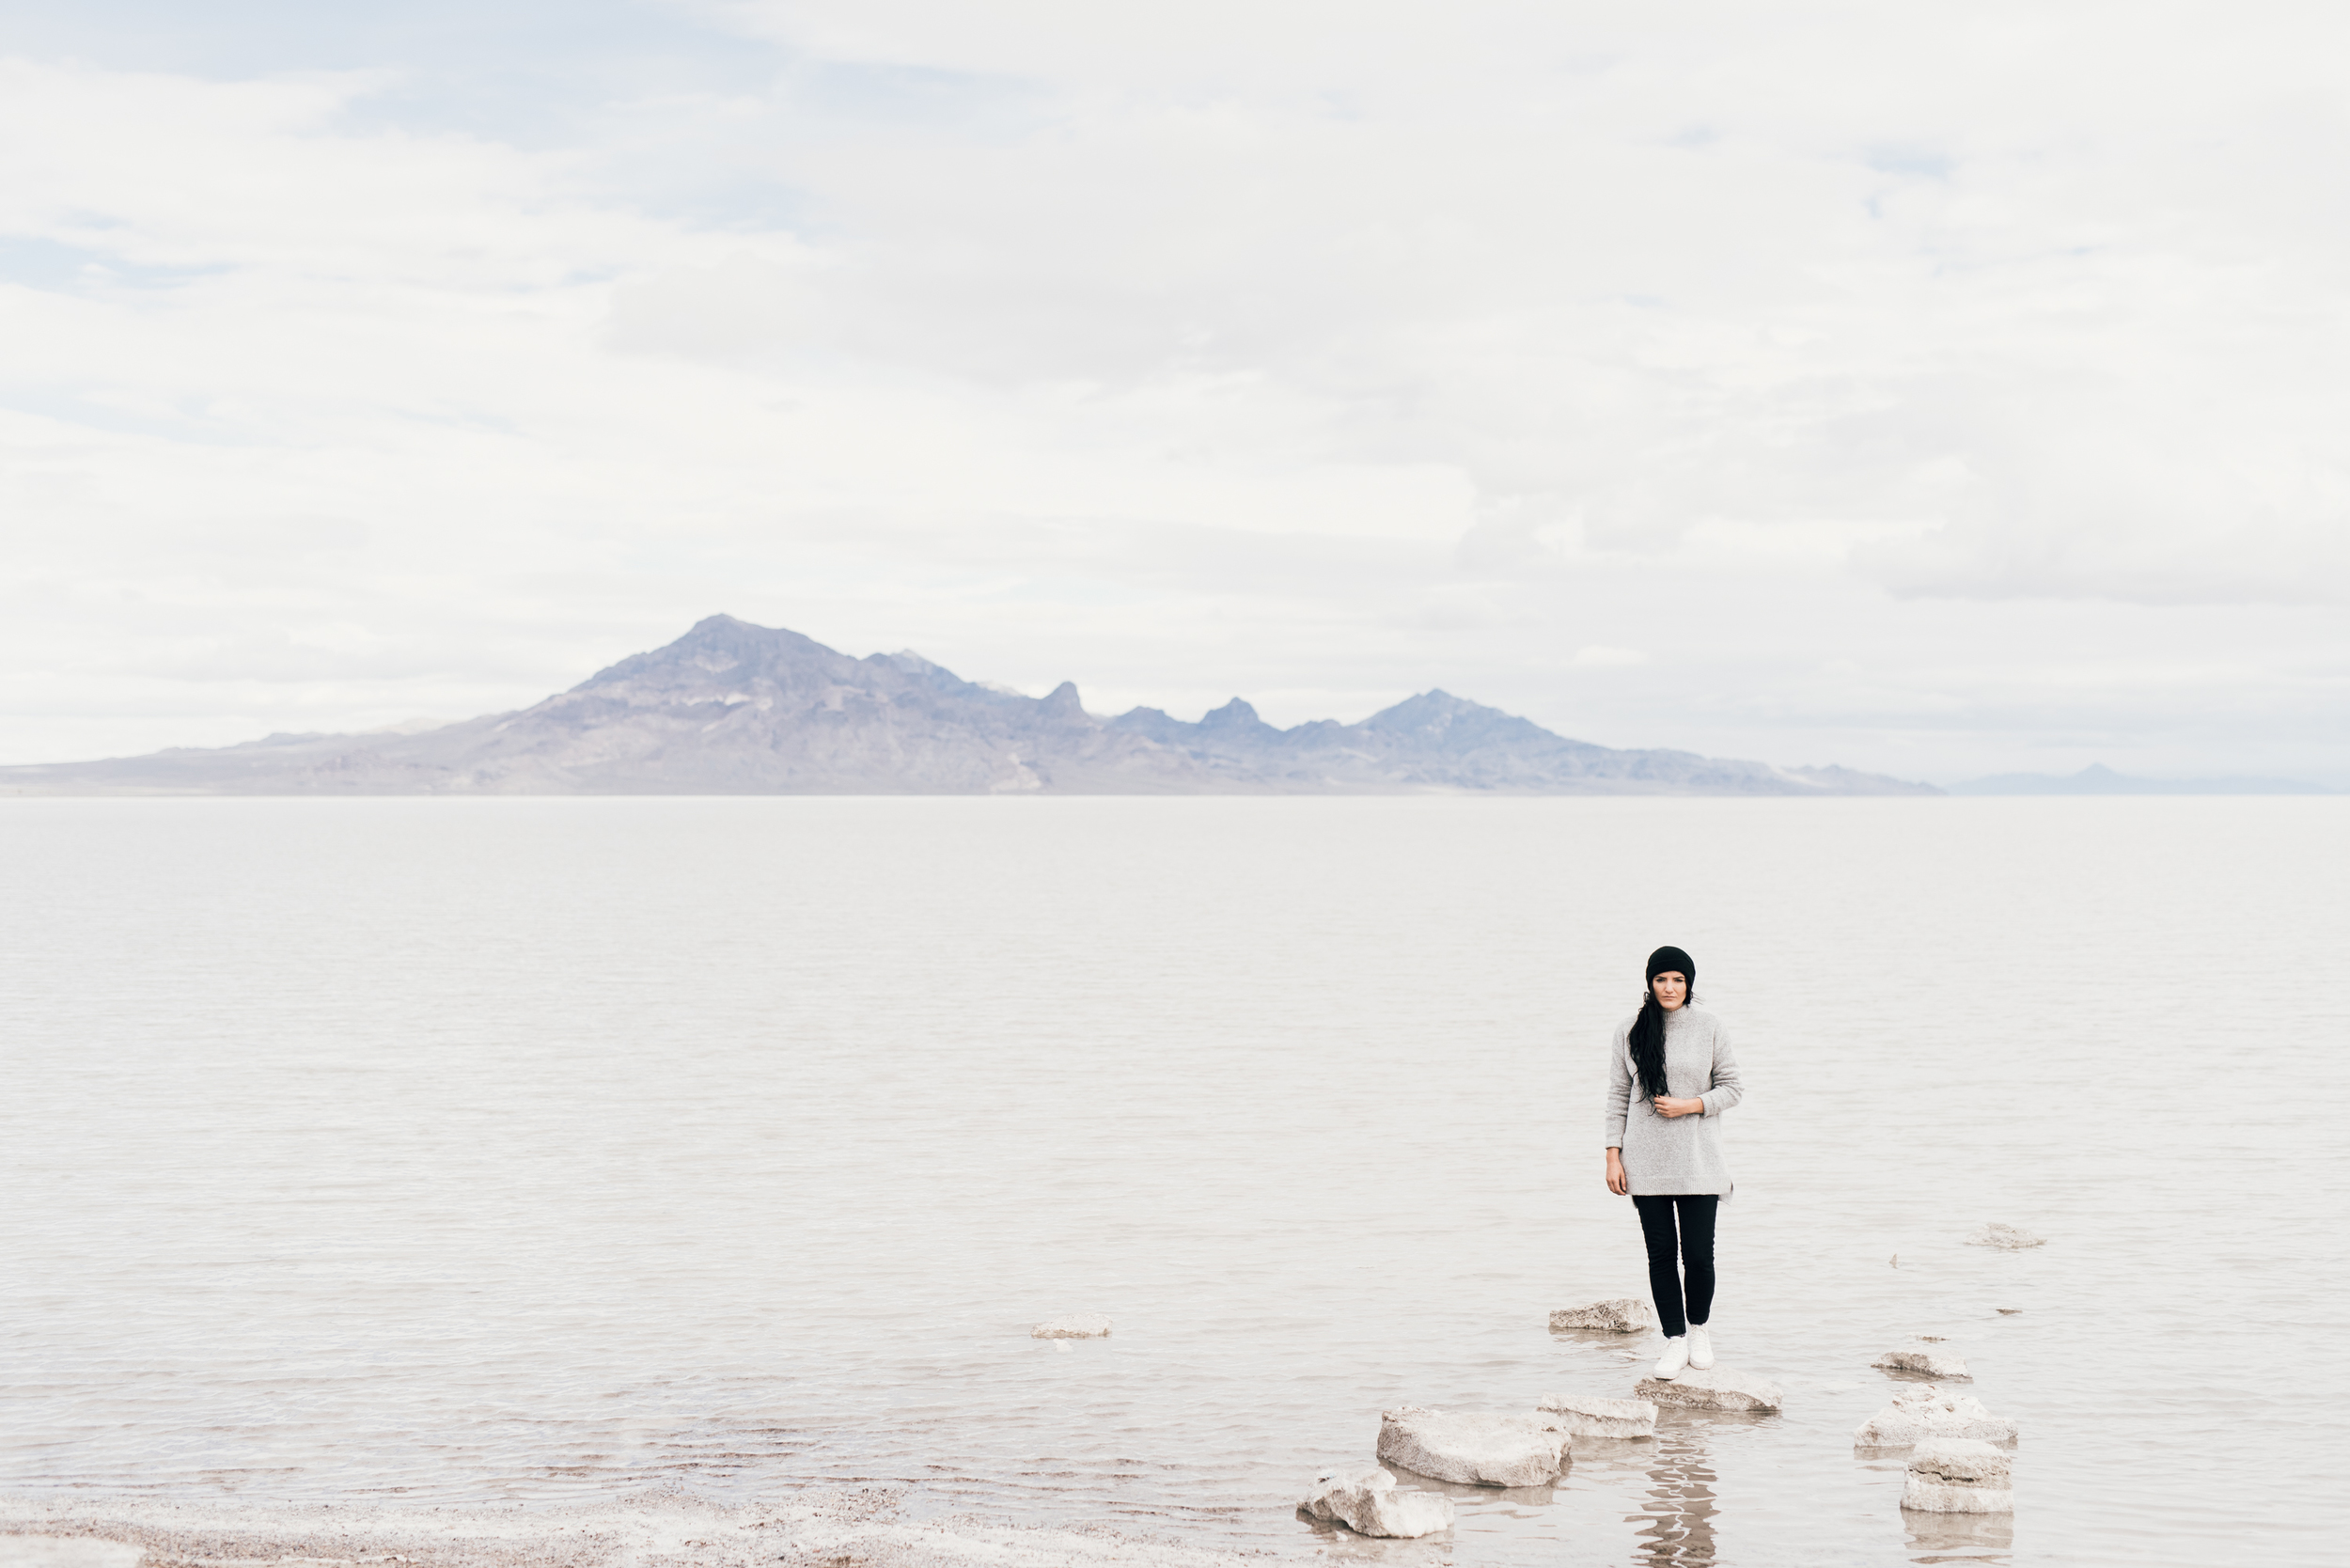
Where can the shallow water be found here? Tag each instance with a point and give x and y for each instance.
(476, 1150)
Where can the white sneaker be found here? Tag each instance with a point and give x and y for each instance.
(1700, 1348)
(1675, 1357)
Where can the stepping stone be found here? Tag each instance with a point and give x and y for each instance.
(1589, 1415)
(1625, 1314)
(1370, 1504)
(1474, 1448)
(1924, 1355)
(1956, 1476)
(1716, 1389)
(1923, 1413)
(2011, 1238)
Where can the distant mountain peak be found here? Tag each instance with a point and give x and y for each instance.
(1439, 716)
(1234, 715)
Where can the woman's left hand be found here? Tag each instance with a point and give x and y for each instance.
(1666, 1106)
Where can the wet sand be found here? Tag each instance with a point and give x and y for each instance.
(842, 1529)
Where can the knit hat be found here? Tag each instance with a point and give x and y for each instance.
(1672, 958)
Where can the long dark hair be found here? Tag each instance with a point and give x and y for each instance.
(1647, 1030)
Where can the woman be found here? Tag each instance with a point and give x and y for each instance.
(1665, 1147)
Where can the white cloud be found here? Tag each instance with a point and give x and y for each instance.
(1900, 380)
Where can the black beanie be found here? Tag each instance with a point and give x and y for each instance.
(1672, 958)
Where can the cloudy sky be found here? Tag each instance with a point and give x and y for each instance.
(1940, 389)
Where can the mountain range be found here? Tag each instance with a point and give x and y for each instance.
(731, 708)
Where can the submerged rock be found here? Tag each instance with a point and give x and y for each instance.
(1589, 1415)
(2008, 1236)
(1956, 1476)
(1924, 1354)
(1080, 1325)
(1922, 1413)
(1716, 1389)
(1474, 1448)
(1370, 1504)
(1625, 1314)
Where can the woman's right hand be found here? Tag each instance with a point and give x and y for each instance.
(1618, 1182)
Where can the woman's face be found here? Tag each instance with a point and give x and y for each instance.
(1671, 988)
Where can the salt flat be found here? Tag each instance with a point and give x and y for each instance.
(530, 1153)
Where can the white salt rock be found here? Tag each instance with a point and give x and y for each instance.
(1370, 1504)
(1082, 1326)
(1589, 1415)
(2007, 1236)
(1625, 1314)
(1923, 1414)
(1957, 1476)
(1922, 1355)
(1716, 1389)
(1474, 1448)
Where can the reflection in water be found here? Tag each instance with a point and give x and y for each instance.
(1959, 1537)
(1516, 1501)
(1677, 1523)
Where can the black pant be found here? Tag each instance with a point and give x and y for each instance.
(1696, 1247)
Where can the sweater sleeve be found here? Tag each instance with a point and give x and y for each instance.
(1726, 1090)
(1619, 1091)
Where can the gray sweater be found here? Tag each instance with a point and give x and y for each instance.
(1677, 1153)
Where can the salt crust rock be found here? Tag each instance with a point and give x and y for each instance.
(1921, 1356)
(1921, 1412)
(1711, 1391)
(1368, 1504)
(1083, 1325)
(1625, 1314)
(1923, 1496)
(66, 1551)
(1588, 1415)
(1474, 1448)
(2006, 1236)
(1955, 1475)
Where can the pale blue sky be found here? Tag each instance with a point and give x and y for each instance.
(468, 63)
(1940, 390)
